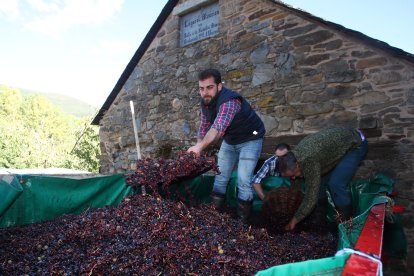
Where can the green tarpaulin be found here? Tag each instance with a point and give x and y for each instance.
(326, 266)
(28, 199)
(45, 198)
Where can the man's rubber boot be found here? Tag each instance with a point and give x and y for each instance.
(218, 200)
(344, 212)
(244, 209)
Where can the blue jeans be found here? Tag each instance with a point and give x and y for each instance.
(246, 156)
(337, 180)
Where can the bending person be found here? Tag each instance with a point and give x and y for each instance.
(333, 153)
(269, 168)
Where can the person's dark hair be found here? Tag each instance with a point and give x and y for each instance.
(282, 146)
(205, 74)
(287, 162)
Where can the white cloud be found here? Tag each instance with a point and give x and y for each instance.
(72, 13)
(10, 8)
(44, 6)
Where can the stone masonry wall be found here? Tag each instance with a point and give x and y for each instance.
(300, 76)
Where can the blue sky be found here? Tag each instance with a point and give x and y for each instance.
(81, 47)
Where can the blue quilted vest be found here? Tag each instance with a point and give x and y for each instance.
(246, 124)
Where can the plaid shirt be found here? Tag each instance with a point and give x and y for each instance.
(269, 168)
(224, 117)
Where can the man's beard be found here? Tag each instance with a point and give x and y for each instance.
(210, 100)
(207, 101)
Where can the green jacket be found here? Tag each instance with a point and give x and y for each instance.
(317, 154)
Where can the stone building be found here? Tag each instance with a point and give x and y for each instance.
(300, 72)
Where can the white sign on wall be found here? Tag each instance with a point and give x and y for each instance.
(199, 25)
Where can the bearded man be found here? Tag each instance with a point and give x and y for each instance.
(226, 114)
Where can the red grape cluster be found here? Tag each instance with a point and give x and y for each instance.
(160, 173)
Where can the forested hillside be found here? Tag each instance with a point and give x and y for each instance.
(35, 133)
(67, 104)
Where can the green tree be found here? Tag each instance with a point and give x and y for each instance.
(10, 102)
(13, 138)
(49, 131)
(86, 150)
(12, 145)
(34, 133)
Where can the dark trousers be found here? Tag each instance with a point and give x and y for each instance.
(337, 180)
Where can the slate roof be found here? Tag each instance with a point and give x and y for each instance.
(166, 11)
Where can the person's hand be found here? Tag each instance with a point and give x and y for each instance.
(196, 149)
(259, 191)
(292, 224)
